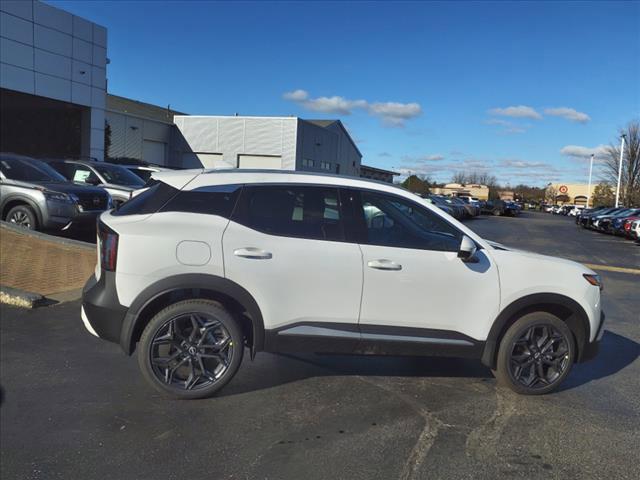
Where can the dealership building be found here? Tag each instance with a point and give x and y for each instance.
(54, 103)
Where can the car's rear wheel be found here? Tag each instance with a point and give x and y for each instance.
(496, 212)
(191, 349)
(23, 216)
(536, 354)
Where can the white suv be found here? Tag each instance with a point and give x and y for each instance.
(206, 263)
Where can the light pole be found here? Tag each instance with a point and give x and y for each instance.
(589, 188)
(622, 137)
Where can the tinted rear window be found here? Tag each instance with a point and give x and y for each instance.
(216, 200)
(149, 201)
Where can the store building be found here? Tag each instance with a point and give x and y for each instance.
(569, 193)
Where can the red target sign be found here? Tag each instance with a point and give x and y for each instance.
(563, 189)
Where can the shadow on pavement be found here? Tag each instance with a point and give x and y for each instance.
(616, 353)
(271, 370)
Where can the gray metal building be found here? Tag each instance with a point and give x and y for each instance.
(143, 132)
(288, 143)
(52, 81)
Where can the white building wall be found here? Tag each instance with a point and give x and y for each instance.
(221, 141)
(51, 53)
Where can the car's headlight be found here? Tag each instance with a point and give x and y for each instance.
(594, 280)
(58, 197)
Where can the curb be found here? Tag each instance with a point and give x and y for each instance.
(22, 298)
(47, 237)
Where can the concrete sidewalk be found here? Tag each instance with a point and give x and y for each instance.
(50, 266)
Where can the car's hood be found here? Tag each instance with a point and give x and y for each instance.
(539, 257)
(66, 187)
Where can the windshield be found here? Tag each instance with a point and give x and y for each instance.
(119, 175)
(29, 170)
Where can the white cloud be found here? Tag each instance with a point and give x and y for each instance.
(509, 127)
(568, 113)
(296, 95)
(520, 111)
(519, 164)
(393, 114)
(422, 158)
(578, 151)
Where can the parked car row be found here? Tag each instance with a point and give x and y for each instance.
(500, 207)
(54, 194)
(457, 207)
(568, 210)
(620, 221)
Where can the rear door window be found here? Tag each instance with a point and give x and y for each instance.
(311, 212)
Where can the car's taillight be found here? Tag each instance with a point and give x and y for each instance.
(108, 247)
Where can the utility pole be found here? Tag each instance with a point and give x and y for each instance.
(622, 137)
(589, 189)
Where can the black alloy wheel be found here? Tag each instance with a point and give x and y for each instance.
(539, 357)
(535, 354)
(191, 349)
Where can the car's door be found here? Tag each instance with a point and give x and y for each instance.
(415, 286)
(285, 244)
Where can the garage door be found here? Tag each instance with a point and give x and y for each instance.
(260, 161)
(154, 152)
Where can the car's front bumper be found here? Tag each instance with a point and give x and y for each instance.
(591, 349)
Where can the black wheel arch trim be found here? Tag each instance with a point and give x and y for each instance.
(578, 321)
(193, 281)
(23, 199)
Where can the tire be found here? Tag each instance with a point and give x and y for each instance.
(553, 361)
(170, 354)
(496, 213)
(23, 216)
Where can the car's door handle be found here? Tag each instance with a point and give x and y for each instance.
(252, 252)
(384, 264)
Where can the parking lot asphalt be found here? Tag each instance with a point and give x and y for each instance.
(75, 407)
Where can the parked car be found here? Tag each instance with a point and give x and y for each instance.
(606, 223)
(493, 207)
(34, 196)
(457, 211)
(627, 226)
(548, 208)
(512, 209)
(601, 222)
(634, 231)
(470, 210)
(587, 218)
(575, 211)
(442, 206)
(115, 179)
(256, 259)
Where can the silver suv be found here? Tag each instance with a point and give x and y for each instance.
(33, 195)
(115, 179)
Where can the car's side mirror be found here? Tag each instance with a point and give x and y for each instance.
(467, 250)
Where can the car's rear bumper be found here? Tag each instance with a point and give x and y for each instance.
(591, 349)
(101, 311)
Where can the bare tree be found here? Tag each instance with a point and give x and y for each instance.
(630, 179)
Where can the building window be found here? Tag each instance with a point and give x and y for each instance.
(325, 165)
(307, 162)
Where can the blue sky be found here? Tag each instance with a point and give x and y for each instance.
(526, 91)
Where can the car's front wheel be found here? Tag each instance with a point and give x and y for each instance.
(191, 349)
(536, 354)
(23, 216)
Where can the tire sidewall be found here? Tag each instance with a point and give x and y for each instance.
(29, 212)
(514, 332)
(209, 307)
